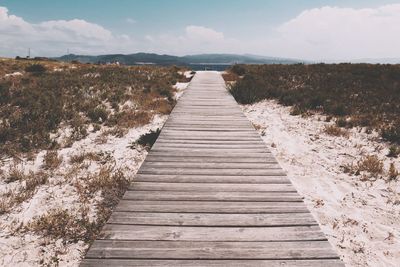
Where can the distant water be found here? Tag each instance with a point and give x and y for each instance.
(217, 67)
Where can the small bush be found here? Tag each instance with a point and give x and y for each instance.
(98, 114)
(79, 127)
(4, 206)
(33, 180)
(36, 68)
(371, 164)
(79, 158)
(14, 174)
(296, 110)
(393, 172)
(15, 197)
(62, 224)
(336, 131)
(391, 133)
(341, 122)
(238, 69)
(394, 151)
(148, 139)
(51, 160)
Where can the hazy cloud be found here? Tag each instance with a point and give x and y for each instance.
(56, 36)
(194, 39)
(130, 20)
(340, 33)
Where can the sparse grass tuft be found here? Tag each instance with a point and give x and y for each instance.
(14, 174)
(36, 68)
(394, 151)
(30, 182)
(79, 158)
(371, 164)
(59, 223)
(111, 183)
(98, 114)
(51, 160)
(336, 131)
(393, 172)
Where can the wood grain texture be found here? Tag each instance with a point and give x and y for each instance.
(210, 193)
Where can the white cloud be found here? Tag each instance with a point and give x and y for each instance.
(50, 38)
(203, 34)
(316, 34)
(195, 39)
(340, 33)
(130, 20)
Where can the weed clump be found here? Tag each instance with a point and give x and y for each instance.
(98, 114)
(51, 160)
(148, 139)
(36, 68)
(371, 164)
(336, 131)
(394, 151)
(60, 223)
(393, 172)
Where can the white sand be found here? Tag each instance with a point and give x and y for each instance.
(361, 219)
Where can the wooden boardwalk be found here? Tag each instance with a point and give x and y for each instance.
(210, 194)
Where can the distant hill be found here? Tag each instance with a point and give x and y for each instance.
(202, 59)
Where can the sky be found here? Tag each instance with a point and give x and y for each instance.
(309, 30)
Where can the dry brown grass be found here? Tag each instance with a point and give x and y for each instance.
(13, 174)
(336, 131)
(30, 182)
(393, 172)
(51, 160)
(364, 95)
(79, 158)
(371, 168)
(61, 223)
(112, 183)
(230, 76)
(35, 105)
(371, 164)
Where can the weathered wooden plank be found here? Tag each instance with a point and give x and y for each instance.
(211, 187)
(213, 155)
(212, 219)
(223, 151)
(211, 250)
(212, 263)
(153, 157)
(213, 196)
(188, 233)
(201, 141)
(244, 172)
(211, 206)
(173, 178)
(183, 133)
(210, 165)
(163, 146)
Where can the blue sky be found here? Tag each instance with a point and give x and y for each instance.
(275, 28)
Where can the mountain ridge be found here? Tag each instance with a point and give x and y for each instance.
(187, 60)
